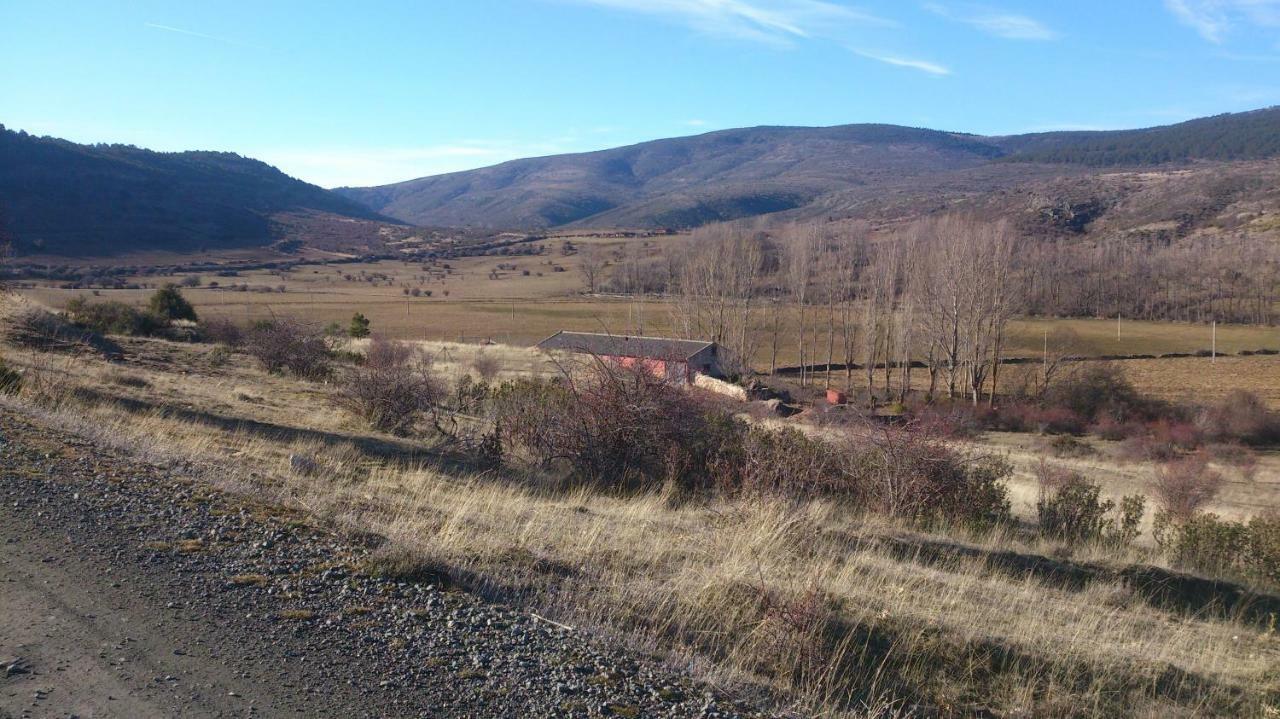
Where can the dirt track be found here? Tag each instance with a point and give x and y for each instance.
(129, 590)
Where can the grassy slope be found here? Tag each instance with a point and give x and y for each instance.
(768, 592)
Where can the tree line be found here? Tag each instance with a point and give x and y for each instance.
(933, 296)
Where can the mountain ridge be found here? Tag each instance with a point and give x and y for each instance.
(727, 174)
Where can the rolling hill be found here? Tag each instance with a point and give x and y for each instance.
(61, 198)
(688, 181)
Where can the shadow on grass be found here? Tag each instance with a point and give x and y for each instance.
(1060, 684)
(441, 459)
(1160, 588)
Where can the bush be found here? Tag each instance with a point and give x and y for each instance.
(220, 330)
(616, 427)
(1065, 445)
(114, 318)
(1114, 430)
(1095, 390)
(359, 326)
(1211, 545)
(1242, 417)
(787, 462)
(487, 366)
(952, 420)
(623, 428)
(1179, 435)
(42, 330)
(915, 476)
(288, 345)
(1263, 555)
(1070, 508)
(1058, 420)
(168, 304)
(392, 390)
(1183, 486)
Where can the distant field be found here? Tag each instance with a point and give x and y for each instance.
(520, 300)
(1199, 380)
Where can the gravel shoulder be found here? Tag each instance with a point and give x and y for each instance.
(133, 590)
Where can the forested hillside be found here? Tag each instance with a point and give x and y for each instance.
(58, 197)
(1240, 136)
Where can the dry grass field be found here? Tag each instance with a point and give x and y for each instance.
(1198, 380)
(520, 300)
(945, 621)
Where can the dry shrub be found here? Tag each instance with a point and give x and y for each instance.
(915, 476)
(952, 420)
(787, 462)
(789, 639)
(287, 345)
(1067, 446)
(1242, 458)
(220, 330)
(614, 427)
(1112, 429)
(115, 318)
(1024, 417)
(43, 330)
(1241, 417)
(1095, 390)
(1183, 486)
(623, 427)
(1162, 441)
(383, 353)
(486, 365)
(393, 389)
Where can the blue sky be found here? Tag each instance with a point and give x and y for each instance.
(340, 93)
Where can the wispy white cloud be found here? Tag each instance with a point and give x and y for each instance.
(1215, 19)
(769, 21)
(1010, 26)
(352, 166)
(925, 66)
(192, 33)
(696, 123)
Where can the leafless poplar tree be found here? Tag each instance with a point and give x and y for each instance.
(592, 262)
(803, 243)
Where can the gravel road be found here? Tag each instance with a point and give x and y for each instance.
(132, 590)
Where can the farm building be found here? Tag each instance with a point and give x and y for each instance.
(677, 360)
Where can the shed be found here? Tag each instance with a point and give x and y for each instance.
(677, 360)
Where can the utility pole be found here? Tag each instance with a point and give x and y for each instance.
(1046, 351)
(1213, 359)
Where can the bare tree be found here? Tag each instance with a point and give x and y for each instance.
(718, 287)
(592, 262)
(803, 242)
(1059, 347)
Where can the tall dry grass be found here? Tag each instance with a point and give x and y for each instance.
(840, 613)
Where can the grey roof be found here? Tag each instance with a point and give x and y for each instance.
(624, 346)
